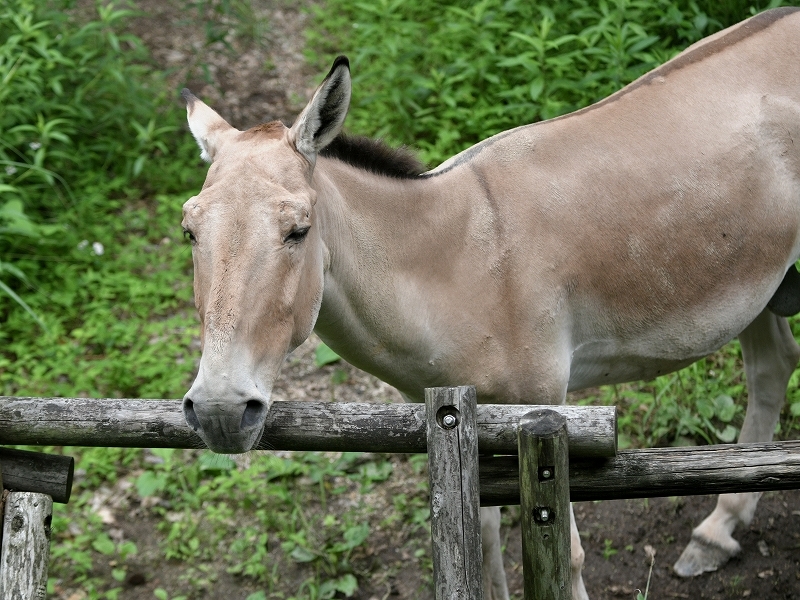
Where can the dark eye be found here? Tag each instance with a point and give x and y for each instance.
(296, 235)
(188, 235)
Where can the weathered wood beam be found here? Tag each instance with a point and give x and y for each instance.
(36, 472)
(686, 471)
(545, 522)
(355, 427)
(455, 511)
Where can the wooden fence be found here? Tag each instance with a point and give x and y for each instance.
(478, 455)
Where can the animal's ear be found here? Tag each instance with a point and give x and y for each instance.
(207, 127)
(322, 119)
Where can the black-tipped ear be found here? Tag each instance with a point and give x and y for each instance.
(323, 117)
(207, 127)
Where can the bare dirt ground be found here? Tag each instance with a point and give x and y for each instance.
(255, 81)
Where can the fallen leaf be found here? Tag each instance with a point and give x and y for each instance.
(765, 574)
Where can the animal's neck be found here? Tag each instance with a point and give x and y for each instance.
(385, 240)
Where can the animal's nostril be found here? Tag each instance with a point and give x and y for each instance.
(190, 415)
(253, 413)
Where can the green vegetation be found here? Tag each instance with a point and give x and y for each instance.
(92, 176)
(443, 76)
(95, 282)
(608, 549)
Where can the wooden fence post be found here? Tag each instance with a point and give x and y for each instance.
(455, 508)
(544, 495)
(26, 546)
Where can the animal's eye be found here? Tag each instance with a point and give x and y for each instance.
(296, 235)
(188, 235)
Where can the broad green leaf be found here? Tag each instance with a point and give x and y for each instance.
(150, 483)
(126, 549)
(300, 554)
(323, 355)
(347, 584)
(727, 435)
(705, 408)
(725, 408)
(355, 536)
(103, 544)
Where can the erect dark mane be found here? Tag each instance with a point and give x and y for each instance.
(375, 156)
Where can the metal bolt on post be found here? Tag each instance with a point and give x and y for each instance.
(544, 491)
(455, 503)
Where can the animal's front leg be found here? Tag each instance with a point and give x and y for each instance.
(578, 589)
(494, 576)
(547, 383)
(770, 356)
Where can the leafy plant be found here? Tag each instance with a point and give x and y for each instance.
(162, 594)
(323, 355)
(608, 549)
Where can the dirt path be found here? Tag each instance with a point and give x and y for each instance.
(262, 76)
(247, 63)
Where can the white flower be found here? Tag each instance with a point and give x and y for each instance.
(11, 169)
(35, 145)
(83, 244)
(98, 249)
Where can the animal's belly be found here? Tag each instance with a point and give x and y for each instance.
(593, 368)
(660, 351)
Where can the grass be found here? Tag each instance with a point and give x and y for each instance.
(95, 282)
(255, 518)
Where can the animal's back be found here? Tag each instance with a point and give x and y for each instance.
(658, 223)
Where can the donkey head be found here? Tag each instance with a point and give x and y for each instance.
(258, 258)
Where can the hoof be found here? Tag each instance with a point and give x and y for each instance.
(702, 556)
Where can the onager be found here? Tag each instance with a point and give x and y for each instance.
(616, 243)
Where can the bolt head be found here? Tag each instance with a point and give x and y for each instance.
(546, 474)
(544, 514)
(449, 421)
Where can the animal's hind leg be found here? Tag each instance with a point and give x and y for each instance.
(770, 355)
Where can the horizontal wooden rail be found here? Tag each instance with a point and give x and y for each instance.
(333, 426)
(49, 474)
(686, 471)
(595, 472)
